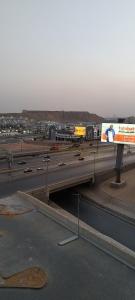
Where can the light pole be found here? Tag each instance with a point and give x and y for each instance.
(78, 213)
(21, 141)
(94, 160)
(75, 236)
(94, 165)
(46, 161)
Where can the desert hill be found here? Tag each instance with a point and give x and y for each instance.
(63, 116)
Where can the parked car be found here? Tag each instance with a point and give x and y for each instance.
(27, 170)
(21, 162)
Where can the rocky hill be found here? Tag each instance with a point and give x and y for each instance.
(63, 116)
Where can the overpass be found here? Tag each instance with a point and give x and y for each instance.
(45, 191)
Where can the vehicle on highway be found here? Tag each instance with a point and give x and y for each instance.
(39, 169)
(81, 158)
(47, 156)
(76, 145)
(77, 154)
(27, 170)
(61, 164)
(21, 162)
(54, 147)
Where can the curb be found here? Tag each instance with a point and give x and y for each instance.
(101, 241)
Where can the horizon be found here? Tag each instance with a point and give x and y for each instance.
(93, 113)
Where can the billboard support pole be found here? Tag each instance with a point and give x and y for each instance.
(119, 157)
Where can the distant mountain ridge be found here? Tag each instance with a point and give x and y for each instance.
(58, 116)
(63, 116)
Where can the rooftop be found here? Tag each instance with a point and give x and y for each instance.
(78, 270)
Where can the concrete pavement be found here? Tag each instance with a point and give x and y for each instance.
(120, 200)
(78, 270)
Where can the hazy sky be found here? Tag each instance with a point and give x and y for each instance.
(68, 55)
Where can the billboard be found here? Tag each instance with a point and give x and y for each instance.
(119, 133)
(80, 131)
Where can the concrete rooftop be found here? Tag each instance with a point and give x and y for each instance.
(77, 270)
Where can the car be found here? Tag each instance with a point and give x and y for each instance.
(76, 145)
(21, 162)
(27, 170)
(77, 154)
(81, 158)
(47, 156)
(46, 160)
(39, 169)
(55, 148)
(61, 164)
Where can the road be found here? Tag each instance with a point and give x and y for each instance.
(12, 184)
(99, 218)
(35, 162)
(55, 157)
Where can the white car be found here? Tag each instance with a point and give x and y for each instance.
(61, 164)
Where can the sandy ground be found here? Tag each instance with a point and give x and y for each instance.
(19, 147)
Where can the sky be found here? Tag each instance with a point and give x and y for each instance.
(68, 55)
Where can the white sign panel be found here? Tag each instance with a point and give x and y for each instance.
(118, 133)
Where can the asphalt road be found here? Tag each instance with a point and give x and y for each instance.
(11, 184)
(55, 157)
(102, 220)
(67, 157)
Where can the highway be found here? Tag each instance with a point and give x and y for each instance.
(11, 182)
(35, 162)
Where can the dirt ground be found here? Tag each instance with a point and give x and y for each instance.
(23, 147)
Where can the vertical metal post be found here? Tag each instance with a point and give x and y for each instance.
(119, 158)
(46, 176)
(21, 145)
(76, 236)
(97, 145)
(46, 179)
(78, 215)
(94, 163)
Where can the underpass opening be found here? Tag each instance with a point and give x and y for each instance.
(97, 217)
(67, 199)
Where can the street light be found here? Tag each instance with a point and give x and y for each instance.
(46, 161)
